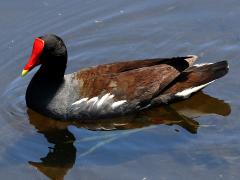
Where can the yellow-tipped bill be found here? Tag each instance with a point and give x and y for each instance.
(38, 47)
(24, 72)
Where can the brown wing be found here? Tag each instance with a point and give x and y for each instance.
(133, 80)
(135, 64)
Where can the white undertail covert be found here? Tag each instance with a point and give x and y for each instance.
(187, 92)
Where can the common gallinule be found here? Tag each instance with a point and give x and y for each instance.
(111, 89)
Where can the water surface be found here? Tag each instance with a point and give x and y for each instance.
(194, 139)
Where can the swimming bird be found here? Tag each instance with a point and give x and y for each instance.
(113, 89)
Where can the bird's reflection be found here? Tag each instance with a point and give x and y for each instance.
(61, 157)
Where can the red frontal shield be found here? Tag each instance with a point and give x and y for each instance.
(38, 47)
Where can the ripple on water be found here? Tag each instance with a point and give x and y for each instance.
(13, 108)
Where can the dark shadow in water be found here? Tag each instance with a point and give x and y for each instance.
(61, 157)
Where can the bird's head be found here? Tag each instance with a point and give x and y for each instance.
(48, 51)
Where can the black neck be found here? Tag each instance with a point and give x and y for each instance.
(52, 69)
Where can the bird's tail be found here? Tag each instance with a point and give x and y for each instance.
(192, 80)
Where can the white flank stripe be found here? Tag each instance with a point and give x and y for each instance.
(118, 103)
(111, 96)
(97, 105)
(103, 99)
(93, 100)
(187, 92)
(80, 101)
